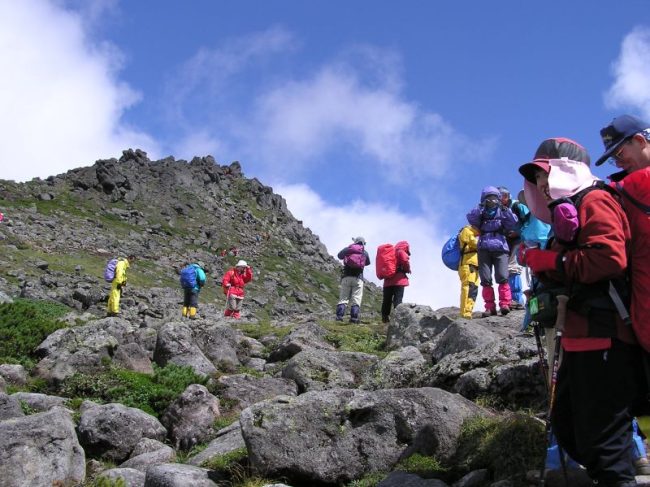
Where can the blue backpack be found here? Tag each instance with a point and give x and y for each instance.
(452, 253)
(109, 271)
(188, 277)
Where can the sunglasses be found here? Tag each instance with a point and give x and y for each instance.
(616, 157)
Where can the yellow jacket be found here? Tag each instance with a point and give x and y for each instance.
(120, 271)
(468, 240)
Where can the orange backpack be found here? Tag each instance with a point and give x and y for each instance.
(386, 261)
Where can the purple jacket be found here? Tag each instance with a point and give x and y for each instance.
(493, 229)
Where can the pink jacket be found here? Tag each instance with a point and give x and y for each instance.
(403, 266)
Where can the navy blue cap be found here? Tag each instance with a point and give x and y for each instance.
(617, 132)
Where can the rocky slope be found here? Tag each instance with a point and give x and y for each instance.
(283, 394)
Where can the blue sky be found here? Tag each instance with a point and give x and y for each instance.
(380, 119)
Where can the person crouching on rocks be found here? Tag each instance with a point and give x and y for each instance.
(494, 220)
(233, 283)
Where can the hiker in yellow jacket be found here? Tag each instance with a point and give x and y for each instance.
(468, 270)
(119, 281)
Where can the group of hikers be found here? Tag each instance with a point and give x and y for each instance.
(586, 243)
(192, 279)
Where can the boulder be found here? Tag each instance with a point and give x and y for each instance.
(399, 369)
(190, 417)
(149, 452)
(337, 436)
(413, 324)
(39, 402)
(227, 440)
(132, 356)
(112, 430)
(322, 369)
(175, 344)
(219, 343)
(130, 476)
(9, 407)
(404, 479)
(244, 389)
(177, 475)
(13, 374)
(460, 336)
(304, 337)
(41, 449)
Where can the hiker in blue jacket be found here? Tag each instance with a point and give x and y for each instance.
(192, 279)
(355, 258)
(494, 220)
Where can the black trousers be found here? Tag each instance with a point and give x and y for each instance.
(591, 417)
(190, 298)
(392, 295)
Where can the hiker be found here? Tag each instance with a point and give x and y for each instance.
(596, 382)
(117, 284)
(354, 258)
(494, 220)
(192, 279)
(513, 238)
(394, 285)
(233, 283)
(468, 269)
(627, 145)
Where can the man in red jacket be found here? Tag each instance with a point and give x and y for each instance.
(627, 145)
(233, 283)
(597, 382)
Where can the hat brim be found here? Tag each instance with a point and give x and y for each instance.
(528, 170)
(608, 153)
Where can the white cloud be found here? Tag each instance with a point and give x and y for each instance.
(299, 121)
(431, 283)
(61, 102)
(631, 87)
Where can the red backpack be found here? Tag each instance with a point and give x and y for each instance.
(386, 261)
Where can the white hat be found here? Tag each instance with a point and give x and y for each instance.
(242, 263)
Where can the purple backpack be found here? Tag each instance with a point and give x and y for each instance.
(356, 257)
(109, 272)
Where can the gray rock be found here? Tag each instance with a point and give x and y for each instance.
(149, 452)
(403, 479)
(9, 407)
(414, 324)
(14, 374)
(132, 356)
(3, 385)
(41, 449)
(40, 402)
(177, 475)
(227, 440)
(460, 336)
(113, 430)
(340, 435)
(131, 476)
(175, 344)
(190, 417)
(219, 343)
(322, 369)
(304, 337)
(399, 369)
(476, 478)
(244, 389)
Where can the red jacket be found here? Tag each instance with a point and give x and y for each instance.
(237, 281)
(637, 186)
(604, 228)
(400, 278)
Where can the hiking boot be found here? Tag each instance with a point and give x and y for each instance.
(642, 466)
(516, 305)
(505, 310)
(489, 312)
(385, 319)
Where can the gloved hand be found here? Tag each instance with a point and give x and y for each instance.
(539, 260)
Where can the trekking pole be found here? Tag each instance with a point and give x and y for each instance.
(543, 365)
(559, 328)
(227, 296)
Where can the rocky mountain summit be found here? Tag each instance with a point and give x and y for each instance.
(285, 395)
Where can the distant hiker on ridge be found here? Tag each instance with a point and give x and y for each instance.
(192, 279)
(233, 283)
(494, 220)
(116, 268)
(355, 258)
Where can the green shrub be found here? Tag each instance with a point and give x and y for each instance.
(150, 393)
(226, 463)
(422, 465)
(24, 324)
(507, 446)
(358, 338)
(370, 480)
(106, 482)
